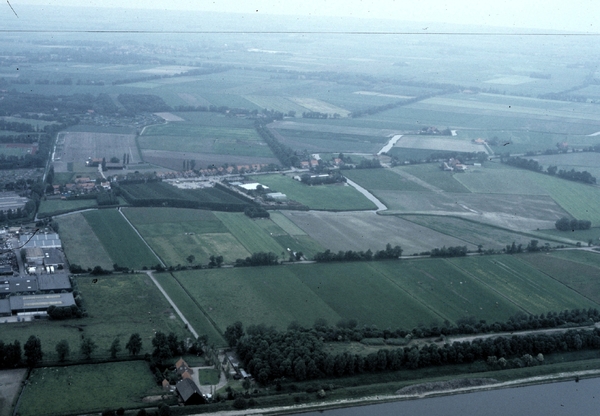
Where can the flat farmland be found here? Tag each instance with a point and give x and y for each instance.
(77, 147)
(336, 126)
(362, 231)
(117, 307)
(53, 206)
(174, 160)
(120, 240)
(277, 103)
(384, 179)
(92, 387)
(10, 380)
(176, 233)
(249, 233)
(80, 243)
(313, 104)
(320, 141)
(387, 294)
(581, 276)
(474, 233)
(446, 144)
(322, 197)
(508, 181)
(513, 212)
(529, 288)
(431, 174)
(589, 161)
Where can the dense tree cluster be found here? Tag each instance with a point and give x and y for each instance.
(299, 353)
(256, 212)
(258, 259)
(143, 103)
(10, 354)
(106, 198)
(59, 313)
(17, 102)
(283, 153)
(457, 251)
(564, 224)
(530, 164)
(369, 164)
(314, 114)
(388, 253)
(335, 177)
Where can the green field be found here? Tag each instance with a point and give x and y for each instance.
(53, 206)
(476, 233)
(80, 243)
(323, 197)
(176, 233)
(326, 141)
(387, 294)
(118, 306)
(120, 240)
(577, 235)
(87, 388)
(433, 175)
(382, 179)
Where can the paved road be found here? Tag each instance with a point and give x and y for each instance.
(185, 321)
(369, 195)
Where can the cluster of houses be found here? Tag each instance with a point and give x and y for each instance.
(81, 185)
(454, 165)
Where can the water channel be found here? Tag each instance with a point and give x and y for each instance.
(566, 398)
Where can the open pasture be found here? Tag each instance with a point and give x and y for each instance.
(174, 160)
(362, 231)
(382, 179)
(77, 147)
(117, 307)
(475, 233)
(313, 104)
(431, 174)
(250, 234)
(580, 161)
(54, 206)
(91, 387)
(119, 240)
(387, 294)
(336, 126)
(319, 141)
(582, 277)
(444, 144)
(321, 197)
(80, 244)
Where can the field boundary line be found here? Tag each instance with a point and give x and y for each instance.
(408, 293)
(206, 315)
(141, 238)
(173, 305)
(465, 272)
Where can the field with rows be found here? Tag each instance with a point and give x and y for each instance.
(176, 233)
(386, 294)
(323, 197)
(386, 179)
(120, 241)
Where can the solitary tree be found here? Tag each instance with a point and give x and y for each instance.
(88, 346)
(161, 350)
(134, 345)
(33, 351)
(190, 258)
(115, 348)
(63, 350)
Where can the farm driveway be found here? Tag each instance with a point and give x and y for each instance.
(369, 195)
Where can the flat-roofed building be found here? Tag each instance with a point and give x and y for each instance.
(5, 307)
(53, 257)
(55, 282)
(39, 303)
(11, 285)
(49, 240)
(34, 255)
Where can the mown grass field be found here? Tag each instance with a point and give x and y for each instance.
(326, 141)
(382, 179)
(322, 197)
(474, 233)
(387, 294)
(80, 244)
(433, 175)
(87, 388)
(118, 306)
(119, 240)
(53, 206)
(177, 233)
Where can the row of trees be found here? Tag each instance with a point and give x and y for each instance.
(11, 355)
(256, 212)
(283, 153)
(270, 355)
(258, 259)
(388, 253)
(457, 251)
(534, 165)
(334, 177)
(564, 224)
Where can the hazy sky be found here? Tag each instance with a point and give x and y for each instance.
(564, 15)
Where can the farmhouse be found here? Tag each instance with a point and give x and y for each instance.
(189, 392)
